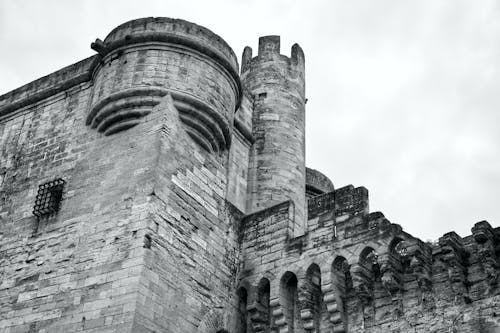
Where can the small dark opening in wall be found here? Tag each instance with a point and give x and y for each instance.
(49, 197)
(262, 95)
(147, 241)
(242, 314)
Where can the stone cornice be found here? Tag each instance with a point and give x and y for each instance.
(47, 86)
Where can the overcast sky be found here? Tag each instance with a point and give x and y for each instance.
(403, 95)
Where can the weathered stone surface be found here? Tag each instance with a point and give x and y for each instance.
(185, 210)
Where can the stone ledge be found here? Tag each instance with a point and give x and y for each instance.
(48, 85)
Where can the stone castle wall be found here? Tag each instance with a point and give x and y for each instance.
(354, 271)
(77, 270)
(184, 206)
(142, 135)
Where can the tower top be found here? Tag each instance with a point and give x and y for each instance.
(176, 31)
(269, 49)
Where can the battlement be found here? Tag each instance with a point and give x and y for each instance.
(350, 201)
(394, 278)
(269, 50)
(269, 46)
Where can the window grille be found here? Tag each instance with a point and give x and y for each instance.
(48, 199)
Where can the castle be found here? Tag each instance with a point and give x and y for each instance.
(157, 187)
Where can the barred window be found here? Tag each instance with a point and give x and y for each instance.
(48, 199)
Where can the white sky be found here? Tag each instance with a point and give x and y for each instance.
(403, 95)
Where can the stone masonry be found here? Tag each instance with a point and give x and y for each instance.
(157, 188)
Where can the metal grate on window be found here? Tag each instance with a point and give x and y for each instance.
(48, 199)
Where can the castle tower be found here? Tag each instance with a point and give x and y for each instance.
(135, 141)
(144, 60)
(174, 86)
(277, 162)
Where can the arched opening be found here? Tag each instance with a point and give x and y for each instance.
(313, 295)
(399, 251)
(342, 277)
(364, 274)
(342, 286)
(368, 255)
(398, 246)
(263, 298)
(369, 260)
(242, 310)
(391, 269)
(289, 297)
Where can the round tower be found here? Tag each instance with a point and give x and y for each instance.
(277, 166)
(145, 59)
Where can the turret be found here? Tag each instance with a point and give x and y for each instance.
(143, 60)
(277, 162)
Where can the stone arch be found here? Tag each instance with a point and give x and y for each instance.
(311, 298)
(399, 248)
(391, 266)
(370, 259)
(394, 243)
(244, 284)
(242, 314)
(260, 309)
(368, 254)
(264, 286)
(264, 297)
(314, 271)
(268, 275)
(364, 274)
(289, 297)
(342, 278)
(342, 285)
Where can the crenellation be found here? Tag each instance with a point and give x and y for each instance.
(269, 51)
(351, 201)
(269, 47)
